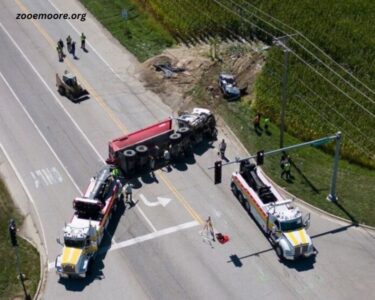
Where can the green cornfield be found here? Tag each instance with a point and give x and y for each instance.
(323, 97)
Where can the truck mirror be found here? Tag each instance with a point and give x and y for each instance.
(306, 221)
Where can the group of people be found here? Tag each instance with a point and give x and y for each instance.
(125, 191)
(71, 47)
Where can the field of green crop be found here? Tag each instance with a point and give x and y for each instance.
(322, 97)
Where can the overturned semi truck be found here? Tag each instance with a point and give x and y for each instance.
(132, 152)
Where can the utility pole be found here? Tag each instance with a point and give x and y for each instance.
(332, 194)
(282, 43)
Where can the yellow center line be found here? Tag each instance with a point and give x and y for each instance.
(109, 111)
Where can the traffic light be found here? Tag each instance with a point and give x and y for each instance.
(13, 232)
(218, 165)
(260, 157)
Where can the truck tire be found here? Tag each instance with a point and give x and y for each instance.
(183, 131)
(175, 138)
(130, 153)
(279, 252)
(61, 90)
(141, 149)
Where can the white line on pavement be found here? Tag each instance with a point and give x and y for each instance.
(39, 131)
(153, 235)
(145, 237)
(147, 219)
(27, 193)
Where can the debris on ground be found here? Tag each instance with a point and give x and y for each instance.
(177, 72)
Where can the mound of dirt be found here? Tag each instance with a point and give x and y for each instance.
(199, 69)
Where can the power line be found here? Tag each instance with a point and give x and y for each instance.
(368, 153)
(313, 55)
(327, 103)
(306, 63)
(277, 62)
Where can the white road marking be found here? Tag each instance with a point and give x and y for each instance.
(48, 175)
(38, 130)
(147, 219)
(160, 201)
(36, 180)
(27, 193)
(143, 238)
(153, 235)
(64, 109)
(57, 175)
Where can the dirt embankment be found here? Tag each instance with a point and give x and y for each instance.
(194, 68)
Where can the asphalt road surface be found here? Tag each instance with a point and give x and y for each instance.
(151, 251)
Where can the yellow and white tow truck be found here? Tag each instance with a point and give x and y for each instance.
(282, 222)
(84, 233)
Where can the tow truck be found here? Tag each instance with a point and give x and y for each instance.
(131, 152)
(281, 221)
(85, 231)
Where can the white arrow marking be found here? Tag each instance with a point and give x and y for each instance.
(160, 201)
(163, 201)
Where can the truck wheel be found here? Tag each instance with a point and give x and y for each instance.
(141, 149)
(130, 153)
(183, 131)
(175, 138)
(61, 90)
(279, 252)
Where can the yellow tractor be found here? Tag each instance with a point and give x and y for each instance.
(69, 87)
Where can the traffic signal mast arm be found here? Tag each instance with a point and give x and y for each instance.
(317, 142)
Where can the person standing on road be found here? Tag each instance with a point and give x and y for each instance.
(60, 44)
(83, 41)
(167, 156)
(115, 172)
(59, 53)
(129, 194)
(73, 49)
(222, 148)
(69, 43)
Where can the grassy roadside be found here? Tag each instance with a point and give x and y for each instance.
(10, 286)
(313, 167)
(140, 33)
